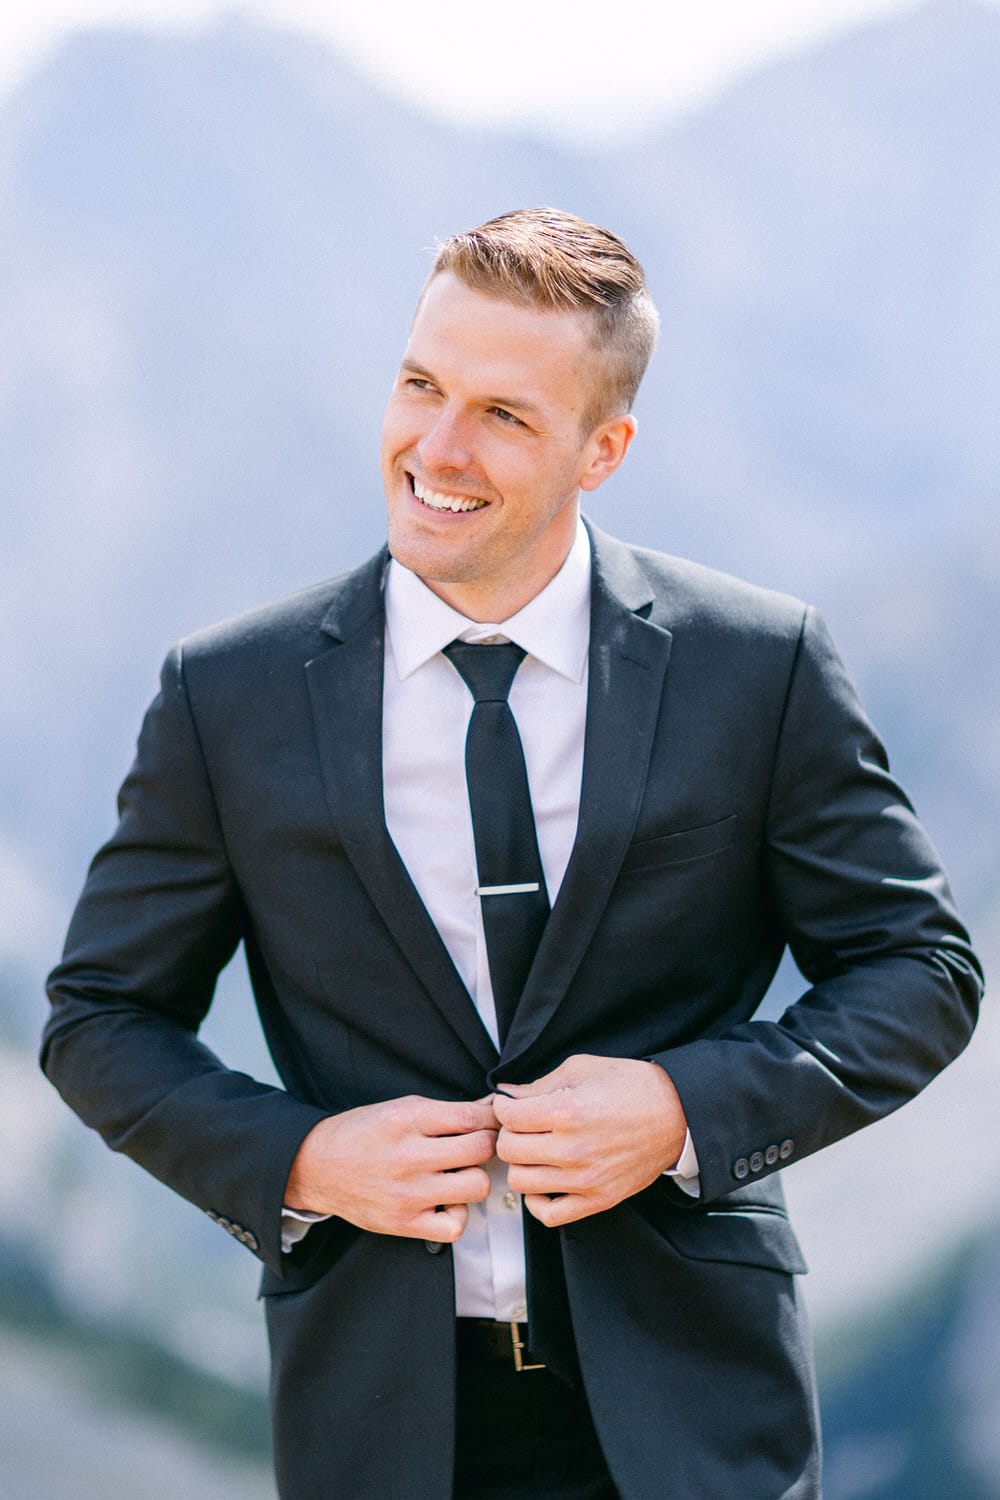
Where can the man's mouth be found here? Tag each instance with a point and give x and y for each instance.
(437, 500)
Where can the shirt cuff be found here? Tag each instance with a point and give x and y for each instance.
(295, 1225)
(686, 1171)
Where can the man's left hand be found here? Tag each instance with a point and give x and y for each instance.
(594, 1131)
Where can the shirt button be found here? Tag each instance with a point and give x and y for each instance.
(510, 1200)
(519, 1313)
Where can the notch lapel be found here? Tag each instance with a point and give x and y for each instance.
(345, 690)
(628, 662)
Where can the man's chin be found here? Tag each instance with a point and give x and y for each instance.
(429, 561)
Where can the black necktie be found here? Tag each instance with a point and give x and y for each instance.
(514, 901)
(515, 909)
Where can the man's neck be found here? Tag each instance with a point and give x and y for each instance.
(492, 600)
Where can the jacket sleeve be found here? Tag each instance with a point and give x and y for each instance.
(861, 900)
(159, 917)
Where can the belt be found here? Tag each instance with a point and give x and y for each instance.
(481, 1338)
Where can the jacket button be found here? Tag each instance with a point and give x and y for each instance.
(741, 1168)
(757, 1161)
(785, 1149)
(771, 1155)
(433, 1247)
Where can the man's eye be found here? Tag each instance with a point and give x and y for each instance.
(414, 382)
(507, 416)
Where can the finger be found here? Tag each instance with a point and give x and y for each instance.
(530, 1149)
(467, 1185)
(534, 1114)
(436, 1117)
(567, 1208)
(447, 1152)
(443, 1225)
(540, 1179)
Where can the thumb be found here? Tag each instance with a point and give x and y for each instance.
(563, 1077)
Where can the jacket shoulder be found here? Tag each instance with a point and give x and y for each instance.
(689, 595)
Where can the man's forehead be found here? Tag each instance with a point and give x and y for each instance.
(446, 296)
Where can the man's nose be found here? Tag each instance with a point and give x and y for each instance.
(446, 444)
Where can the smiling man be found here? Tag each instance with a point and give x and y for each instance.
(514, 823)
(492, 430)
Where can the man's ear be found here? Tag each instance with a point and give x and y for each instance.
(606, 447)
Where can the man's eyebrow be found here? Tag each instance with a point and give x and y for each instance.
(513, 403)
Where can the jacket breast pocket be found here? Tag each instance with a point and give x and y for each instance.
(686, 843)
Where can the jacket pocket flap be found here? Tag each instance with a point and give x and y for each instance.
(755, 1238)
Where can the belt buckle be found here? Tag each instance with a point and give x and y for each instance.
(519, 1346)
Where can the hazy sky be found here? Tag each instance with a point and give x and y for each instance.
(573, 66)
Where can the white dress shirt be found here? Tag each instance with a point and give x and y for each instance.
(426, 707)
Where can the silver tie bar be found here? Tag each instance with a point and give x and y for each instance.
(507, 890)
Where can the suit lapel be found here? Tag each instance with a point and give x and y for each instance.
(628, 662)
(345, 689)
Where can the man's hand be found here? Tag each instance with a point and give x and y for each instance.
(594, 1131)
(407, 1167)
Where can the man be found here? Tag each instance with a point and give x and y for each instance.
(574, 1105)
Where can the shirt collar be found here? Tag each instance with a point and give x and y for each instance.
(554, 626)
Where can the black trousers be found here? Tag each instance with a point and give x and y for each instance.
(524, 1436)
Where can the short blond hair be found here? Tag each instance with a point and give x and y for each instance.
(547, 258)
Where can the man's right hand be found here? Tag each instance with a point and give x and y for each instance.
(407, 1167)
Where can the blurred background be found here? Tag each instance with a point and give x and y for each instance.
(213, 225)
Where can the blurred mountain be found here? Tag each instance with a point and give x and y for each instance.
(914, 1416)
(70, 1457)
(209, 254)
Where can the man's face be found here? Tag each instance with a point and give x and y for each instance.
(484, 450)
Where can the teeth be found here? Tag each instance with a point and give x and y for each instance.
(437, 501)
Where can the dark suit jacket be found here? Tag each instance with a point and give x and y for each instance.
(734, 799)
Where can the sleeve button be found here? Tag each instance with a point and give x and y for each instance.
(741, 1168)
(771, 1155)
(756, 1161)
(785, 1149)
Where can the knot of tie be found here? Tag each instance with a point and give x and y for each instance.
(488, 671)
